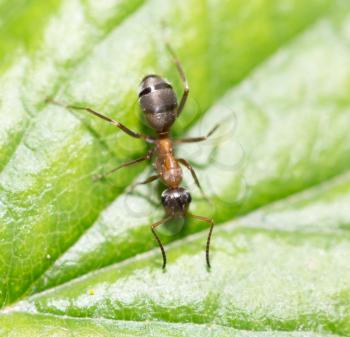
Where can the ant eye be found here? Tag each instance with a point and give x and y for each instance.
(163, 199)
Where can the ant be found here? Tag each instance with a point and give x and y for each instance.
(159, 103)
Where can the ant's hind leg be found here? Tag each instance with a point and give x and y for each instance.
(183, 78)
(197, 139)
(121, 126)
(153, 227)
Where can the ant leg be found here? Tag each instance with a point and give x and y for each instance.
(211, 222)
(153, 227)
(197, 139)
(194, 176)
(129, 163)
(131, 133)
(147, 181)
(183, 79)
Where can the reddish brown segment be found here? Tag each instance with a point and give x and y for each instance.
(167, 166)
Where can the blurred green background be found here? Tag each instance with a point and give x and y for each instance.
(77, 257)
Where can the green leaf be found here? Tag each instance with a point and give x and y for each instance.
(77, 257)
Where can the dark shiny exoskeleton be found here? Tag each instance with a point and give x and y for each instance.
(176, 201)
(159, 104)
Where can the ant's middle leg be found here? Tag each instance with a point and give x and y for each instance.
(129, 163)
(147, 181)
(183, 79)
(197, 139)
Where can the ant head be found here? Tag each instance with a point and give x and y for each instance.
(158, 102)
(176, 201)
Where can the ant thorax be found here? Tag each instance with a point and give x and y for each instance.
(167, 166)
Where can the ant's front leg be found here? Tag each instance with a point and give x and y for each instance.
(153, 227)
(207, 247)
(194, 176)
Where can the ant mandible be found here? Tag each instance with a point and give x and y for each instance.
(159, 103)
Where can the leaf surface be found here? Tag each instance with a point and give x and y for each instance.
(69, 246)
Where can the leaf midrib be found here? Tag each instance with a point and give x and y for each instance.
(172, 324)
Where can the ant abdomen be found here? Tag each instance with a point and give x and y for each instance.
(158, 102)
